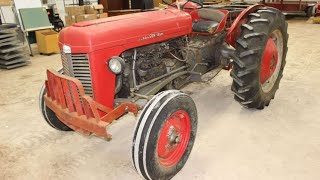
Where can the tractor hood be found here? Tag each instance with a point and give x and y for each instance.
(129, 31)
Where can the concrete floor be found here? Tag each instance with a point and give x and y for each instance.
(281, 142)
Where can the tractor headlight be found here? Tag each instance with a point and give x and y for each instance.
(116, 65)
(66, 49)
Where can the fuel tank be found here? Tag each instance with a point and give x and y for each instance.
(128, 31)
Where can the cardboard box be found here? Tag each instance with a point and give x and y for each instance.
(98, 8)
(89, 9)
(70, 20)
(79, 10)
(5, 3)
(85, 17)
(69, 10)
(103, 15)
(74, 10)
(47, 41)
(94, 9)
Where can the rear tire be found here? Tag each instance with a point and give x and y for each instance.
(49, 116)
(164, 135)
(263, 25)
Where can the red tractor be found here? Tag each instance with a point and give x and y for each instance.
(135, 62)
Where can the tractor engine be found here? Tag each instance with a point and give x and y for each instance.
(158, 59)
(146, 63)
(150, 62)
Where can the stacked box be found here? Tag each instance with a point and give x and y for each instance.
(98, 8)
(70, 20)
(75, 14)
(103, 15)
(74, 10)
(86, 17)
(89, 9)
(94, 9)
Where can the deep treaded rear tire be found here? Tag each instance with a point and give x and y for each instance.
(250, 46)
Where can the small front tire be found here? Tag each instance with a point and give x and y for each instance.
(164, 135)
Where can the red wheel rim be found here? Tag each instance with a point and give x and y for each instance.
(174, 138)
(269, 61)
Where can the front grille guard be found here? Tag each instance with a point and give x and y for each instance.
(65, 96)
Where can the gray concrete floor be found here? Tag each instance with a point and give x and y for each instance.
(281, 142)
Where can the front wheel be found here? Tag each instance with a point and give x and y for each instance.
(164, 135)
(260, 58)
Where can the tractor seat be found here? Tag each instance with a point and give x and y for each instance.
(210, 20)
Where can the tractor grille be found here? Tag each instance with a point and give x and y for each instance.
(77, 65)
(65, 64)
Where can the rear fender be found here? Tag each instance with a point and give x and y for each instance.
(236, 25)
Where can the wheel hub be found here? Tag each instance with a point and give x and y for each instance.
(270, 58)
(174, 138)
(271, 61)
